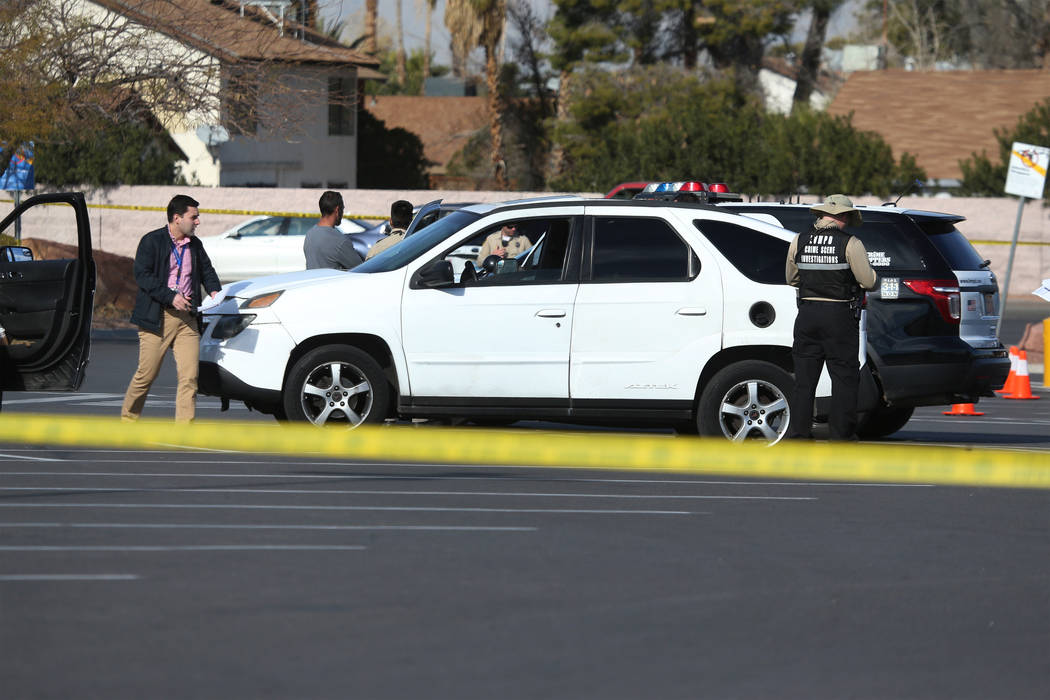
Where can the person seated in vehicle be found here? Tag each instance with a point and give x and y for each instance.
(400, 218)
(506, 243)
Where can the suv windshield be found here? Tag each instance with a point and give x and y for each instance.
(413, 246)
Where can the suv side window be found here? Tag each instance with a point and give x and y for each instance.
(632, 249)
(757, 256)
(544, 261)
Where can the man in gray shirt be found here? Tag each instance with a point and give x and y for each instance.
(325, 245)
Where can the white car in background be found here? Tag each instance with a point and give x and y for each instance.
(272, 245)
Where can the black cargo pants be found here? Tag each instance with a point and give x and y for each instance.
(825, 331)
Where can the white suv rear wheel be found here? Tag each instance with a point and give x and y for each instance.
(749, 400)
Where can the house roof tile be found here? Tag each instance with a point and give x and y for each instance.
(443, 124)
(940, 117)
(219, 29)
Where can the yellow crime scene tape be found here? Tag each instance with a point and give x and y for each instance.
(239, 212)
(561, 450)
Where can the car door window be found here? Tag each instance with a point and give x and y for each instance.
(298, 226)
(758, 256)
(265, 227)
(626, 249)
(545, 261)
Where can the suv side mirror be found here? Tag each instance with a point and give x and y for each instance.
(436, 274)
(15, 253)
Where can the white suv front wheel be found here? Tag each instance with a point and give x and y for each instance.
(337, 385)
(748, 400)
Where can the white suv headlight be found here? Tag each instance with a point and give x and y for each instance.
(229, 325)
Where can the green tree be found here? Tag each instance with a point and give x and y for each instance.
(389, 158)
(736, 38)
(660, 123)
(414, 74)
(982, 176)
(115, 154)
(583, 34)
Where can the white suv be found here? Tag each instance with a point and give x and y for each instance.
(623, 312)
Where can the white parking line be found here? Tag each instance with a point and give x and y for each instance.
(420, 477)
(376, 492)
(69, 577)
(405, 509)
(181, 548)
(218, 526)
(201, 449)
(31, 458)
(58, 398)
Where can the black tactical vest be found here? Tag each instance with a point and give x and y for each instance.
(823, 269)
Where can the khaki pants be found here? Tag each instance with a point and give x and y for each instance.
(179, 333)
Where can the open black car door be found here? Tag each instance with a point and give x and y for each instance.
(45, 305)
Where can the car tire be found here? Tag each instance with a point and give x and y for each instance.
(362, 396)
(746, 401)
(883, 421)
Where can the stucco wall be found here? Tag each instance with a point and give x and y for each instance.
(118, 230)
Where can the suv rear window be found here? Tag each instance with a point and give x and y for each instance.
(951, 243)
(893, 241)
(758, 256)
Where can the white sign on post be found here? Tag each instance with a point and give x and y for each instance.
(1026, 172)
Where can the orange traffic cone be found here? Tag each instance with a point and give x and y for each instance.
(963, 409)
(1023, 387)
(1011, 378)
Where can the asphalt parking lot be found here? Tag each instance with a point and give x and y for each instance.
(210, 573)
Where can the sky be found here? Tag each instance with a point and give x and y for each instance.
(353, 11)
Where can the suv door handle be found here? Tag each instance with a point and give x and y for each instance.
(692, 311)
(551, 313)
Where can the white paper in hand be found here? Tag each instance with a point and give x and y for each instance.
(1044, 291)
(210, 301)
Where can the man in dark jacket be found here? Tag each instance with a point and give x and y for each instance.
(170, 268)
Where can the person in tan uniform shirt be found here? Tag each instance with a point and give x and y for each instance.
(506, 243)
(400, 218)
(830, 269)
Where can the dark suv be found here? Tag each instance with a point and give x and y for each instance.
(931, 326)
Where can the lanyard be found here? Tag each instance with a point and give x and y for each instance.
(176, 253)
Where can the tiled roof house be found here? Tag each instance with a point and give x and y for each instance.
(443, 124)
(240, 41)
(940, 117)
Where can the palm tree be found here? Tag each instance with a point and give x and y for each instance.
(428, 9)
(474, 23)
(809, 65)
(402, 72)
(371, 20)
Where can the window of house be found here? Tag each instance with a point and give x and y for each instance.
(341, 94)
(634, 249)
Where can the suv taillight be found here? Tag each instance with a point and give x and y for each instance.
(944, 293)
